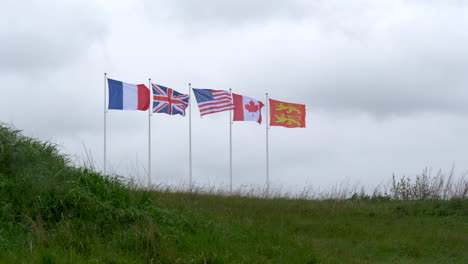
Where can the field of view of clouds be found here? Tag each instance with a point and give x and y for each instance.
(385, 84)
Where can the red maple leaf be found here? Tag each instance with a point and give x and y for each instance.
(251, 107)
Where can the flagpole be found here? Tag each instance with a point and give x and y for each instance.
(267, 152)
(190, 136)
(230, 147)
(149, 134)
(105, 123)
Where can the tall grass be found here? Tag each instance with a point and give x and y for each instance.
(54, 212)
(424, 186)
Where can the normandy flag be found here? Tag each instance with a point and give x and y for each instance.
(287, 114)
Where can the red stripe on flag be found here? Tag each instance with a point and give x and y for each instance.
(212, 112)
(208, 110)
(143, 97)
(239, 107)
(214, 103)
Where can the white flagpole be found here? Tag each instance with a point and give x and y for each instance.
(190, 136)
(105, 123)
(230, 146)
(267, 157)
(149, 134)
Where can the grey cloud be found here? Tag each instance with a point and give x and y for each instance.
(415, 66)
(225, 12)
(355, 19)
(402, 66)
(348, 61)
(40, 35)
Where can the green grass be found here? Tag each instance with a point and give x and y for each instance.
(51, 212)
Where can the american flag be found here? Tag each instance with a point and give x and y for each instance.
(166, 100)
(213, 101)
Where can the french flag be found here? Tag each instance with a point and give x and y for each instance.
(126, 96)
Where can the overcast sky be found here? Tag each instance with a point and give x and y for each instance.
(385, 84)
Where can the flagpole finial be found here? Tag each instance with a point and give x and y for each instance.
(189, 83)
(105, 73)
(149, 79)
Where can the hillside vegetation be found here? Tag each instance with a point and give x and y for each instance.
(52, 212)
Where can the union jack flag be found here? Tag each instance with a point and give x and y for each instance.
(166, 100)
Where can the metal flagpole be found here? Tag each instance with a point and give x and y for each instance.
(267, 158)
(230, 146)
(149, 134)
(190, 136)
(105, 122)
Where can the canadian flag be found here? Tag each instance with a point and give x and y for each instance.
(247, 108)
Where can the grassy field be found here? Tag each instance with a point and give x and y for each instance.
(51, 212)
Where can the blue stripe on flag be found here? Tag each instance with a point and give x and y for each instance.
(115, 94)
